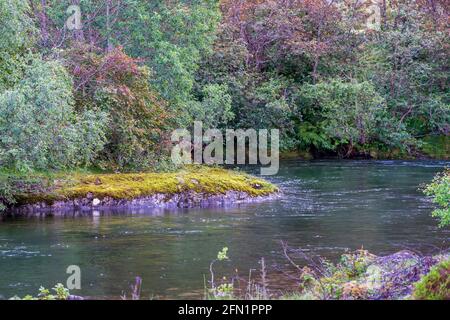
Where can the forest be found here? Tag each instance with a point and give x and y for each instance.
(92, 90)
(107, 94)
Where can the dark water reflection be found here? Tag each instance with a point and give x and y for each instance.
(326, 207)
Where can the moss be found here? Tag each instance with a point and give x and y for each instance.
(436, 284)
(200, 179)
(436, 147)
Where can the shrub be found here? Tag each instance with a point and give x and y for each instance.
(436, 284)
(16, 26)
(116, 84)
(61, 293)
(439, 189)
(16, 30)
(39, 128)
(344, 113)
(6, 194)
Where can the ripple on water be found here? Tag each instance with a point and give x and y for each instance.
(21, 251)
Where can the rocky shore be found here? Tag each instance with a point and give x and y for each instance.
(188, 188)
(188, 199)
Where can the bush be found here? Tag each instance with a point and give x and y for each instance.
(60, 293)
(6, 194)
(39, 128)
(116, 84)
(16, 27)
(439, 189)
(16, 30)
(214, 110)
(436, 284)
(351, 114)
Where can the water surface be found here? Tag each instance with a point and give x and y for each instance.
(326, 208)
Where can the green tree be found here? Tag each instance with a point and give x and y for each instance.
(408, 64)
(16, 34)
(439, 190)
(172, 37)
(213, 107)
(38, 126)
(348, 113)
(137, 135)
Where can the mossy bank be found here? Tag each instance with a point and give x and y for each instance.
(193, 186)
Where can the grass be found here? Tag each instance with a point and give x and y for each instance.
(200, 179)
(436, 284)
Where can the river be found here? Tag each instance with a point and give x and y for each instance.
(325, 208)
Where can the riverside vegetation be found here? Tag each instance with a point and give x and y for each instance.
(109, 93)
(358, 275)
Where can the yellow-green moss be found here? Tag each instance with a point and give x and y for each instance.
(201, 179)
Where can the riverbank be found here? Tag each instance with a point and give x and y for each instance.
(193, 186)
(428, 148)
(357, 275)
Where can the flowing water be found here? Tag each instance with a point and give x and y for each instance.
(326, 207)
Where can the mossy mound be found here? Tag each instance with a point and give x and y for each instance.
(197, 179)
(436, 284)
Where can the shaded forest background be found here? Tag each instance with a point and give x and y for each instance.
(109, 94)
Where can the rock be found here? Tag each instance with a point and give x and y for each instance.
(183, 199)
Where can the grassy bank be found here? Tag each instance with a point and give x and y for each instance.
(357, 275)
(56, 186)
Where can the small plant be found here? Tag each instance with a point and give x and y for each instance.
(222, 255)
(439, 189)
(61, 293)
(224, 290)
(436, 284)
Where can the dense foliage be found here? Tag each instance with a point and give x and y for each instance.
(439, 189)
(436, 284)
(39, 128)
(109, 93)
(116, 84)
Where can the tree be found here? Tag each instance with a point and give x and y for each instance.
(439, 189)
(347, 113)
(214, 107)
(16, 34)
(171, 37)
(38, 126)
(116, 84)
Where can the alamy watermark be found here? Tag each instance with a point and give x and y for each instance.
(212, 146)
(73, 22)
(74, 280)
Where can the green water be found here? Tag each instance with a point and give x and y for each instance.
(326, 207)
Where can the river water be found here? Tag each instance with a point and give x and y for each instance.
(326, 207)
